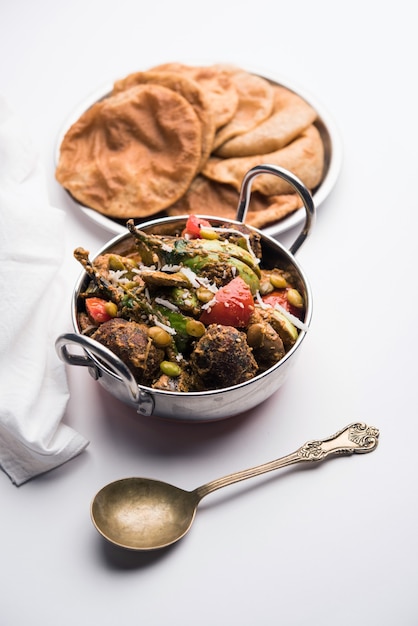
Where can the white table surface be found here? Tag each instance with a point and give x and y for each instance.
(337, 545)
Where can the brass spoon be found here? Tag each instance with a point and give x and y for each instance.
(145, 514)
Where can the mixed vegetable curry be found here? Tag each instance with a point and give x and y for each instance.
(194, 311)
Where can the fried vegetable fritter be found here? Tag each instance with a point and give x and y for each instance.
(222, 357)
(131, 343)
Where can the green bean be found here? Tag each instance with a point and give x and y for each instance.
(204, 294)
(278, 280)
(170, 368)
(194, 328)
(111, 309)
(159, 336)
(294, 298)
(266, 286)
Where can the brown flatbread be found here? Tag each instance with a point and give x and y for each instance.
(128, 156)
(217, 85)
(255, 104)
(179, 139)
(290, 116)
(186, 87)
(207, 197)
(304, 157)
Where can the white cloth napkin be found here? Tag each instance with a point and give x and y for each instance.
(33, 384)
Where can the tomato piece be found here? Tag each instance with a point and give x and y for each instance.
(96, 310)
(193, 226)
(232, 305)
(279, 296)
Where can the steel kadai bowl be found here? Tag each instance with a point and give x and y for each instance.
(217, 404)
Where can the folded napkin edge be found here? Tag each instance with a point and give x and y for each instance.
(22, 462)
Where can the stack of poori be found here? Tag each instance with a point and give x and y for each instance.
(178, 139)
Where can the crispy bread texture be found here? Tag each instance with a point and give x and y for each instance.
(304, 156)
(179, 139)
(128, 156)
(186, 87)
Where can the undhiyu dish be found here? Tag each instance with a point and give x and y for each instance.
(193, 318)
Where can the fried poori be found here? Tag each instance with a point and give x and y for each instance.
(290, 116)
(178, 139)
(304, 156)
(217, 84)
(186, 87)
(128, 156)
(255, 104)
(207, 197)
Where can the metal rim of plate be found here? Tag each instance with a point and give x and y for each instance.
(325, 124)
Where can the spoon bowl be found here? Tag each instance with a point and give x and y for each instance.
(147, 514)
(143, 514)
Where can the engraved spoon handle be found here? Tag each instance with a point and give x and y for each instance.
(354, 438)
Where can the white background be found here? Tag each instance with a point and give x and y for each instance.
(334, 545)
